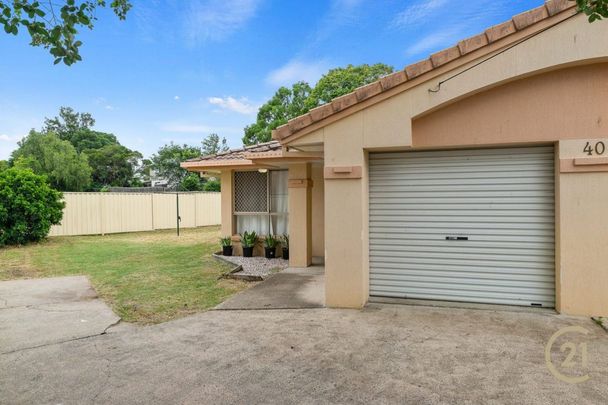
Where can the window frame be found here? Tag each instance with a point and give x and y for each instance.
(268, 214)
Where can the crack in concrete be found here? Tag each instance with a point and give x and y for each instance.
(38, 308)
(107, 371)
(104, 332)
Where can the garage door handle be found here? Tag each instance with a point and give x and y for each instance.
(456, 238)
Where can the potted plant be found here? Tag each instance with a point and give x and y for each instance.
(285, 244)
(270, 249)
(248, 240)
(226, 243)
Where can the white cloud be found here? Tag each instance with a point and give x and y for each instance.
(417, 13)
(5, 138)
(102, 101)
(434, 41)
(296, 70)
(467, 19)
(214, 20)
(176, 98)
(241, 106)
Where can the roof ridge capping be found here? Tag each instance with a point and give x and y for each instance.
(435, 60)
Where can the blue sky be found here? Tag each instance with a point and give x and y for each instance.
(177, 70)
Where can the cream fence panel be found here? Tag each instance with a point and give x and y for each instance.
(100, 213)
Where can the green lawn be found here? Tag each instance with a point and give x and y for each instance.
(147, 277)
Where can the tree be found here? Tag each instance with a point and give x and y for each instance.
(192, 182)
(113, 165)
(46, 154)
(166, 162)
(54, 24)
(594, 9)
(290, 103)
(28, 207)
(3, 165)
(340, 81)
(68, 123)
(212, 185)
(212, 145)
(283, 106)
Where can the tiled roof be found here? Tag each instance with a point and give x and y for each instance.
(241, 153)
(464, 47)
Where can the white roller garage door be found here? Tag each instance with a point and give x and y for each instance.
(466, 225)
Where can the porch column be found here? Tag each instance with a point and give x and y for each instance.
(228, 227)
(300, 215)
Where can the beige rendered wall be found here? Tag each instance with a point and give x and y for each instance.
(583, 230)
(227, 180)
(346, 248)
(568, 103)
(318, 211)
(300, 214)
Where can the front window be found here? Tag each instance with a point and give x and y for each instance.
(260, 202)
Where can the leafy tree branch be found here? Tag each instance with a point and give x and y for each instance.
(54, 25)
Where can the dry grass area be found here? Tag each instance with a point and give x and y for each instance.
(147, 277)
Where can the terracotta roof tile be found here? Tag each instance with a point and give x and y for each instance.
(300, 122)
(530, 17)
(557, 6)
(392, 80)
(418, 68)
(282, 131)
(500, 31)
(321, 112)
(345, 101)
(473, 43)
(447, 55)
(368, 91)
(466, 46)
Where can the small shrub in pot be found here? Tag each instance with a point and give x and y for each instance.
(248, 240)
(270, 248)
(285, 245)
(226, 243)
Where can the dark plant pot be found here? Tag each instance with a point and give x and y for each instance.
(227, 250)
(271, 252)
(248, 251)
(285, 254)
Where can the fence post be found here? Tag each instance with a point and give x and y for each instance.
(101, 218)
(178, 218)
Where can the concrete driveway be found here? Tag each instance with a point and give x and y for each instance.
(292, 288)
(382, 354)
(50, 310)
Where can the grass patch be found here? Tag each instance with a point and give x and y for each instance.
(147, 277)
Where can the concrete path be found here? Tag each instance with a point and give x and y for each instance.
(290, 289)
(383, 354)
(50, 310)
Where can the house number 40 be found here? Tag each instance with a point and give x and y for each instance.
(599, 148)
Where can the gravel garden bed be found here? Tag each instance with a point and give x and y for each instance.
(253, 268)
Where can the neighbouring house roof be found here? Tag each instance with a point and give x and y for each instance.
(241, 153)
(255, 155)
(491, 35)
(235, 157)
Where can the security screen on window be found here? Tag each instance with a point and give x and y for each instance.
(260, 202)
